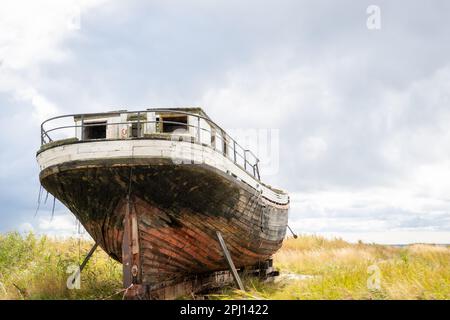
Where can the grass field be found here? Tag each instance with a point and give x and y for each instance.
(36, 268)
(311, 268)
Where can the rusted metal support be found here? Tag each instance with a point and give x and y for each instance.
(88, 257)
(230, 262)
(85, 261)
(293, 233)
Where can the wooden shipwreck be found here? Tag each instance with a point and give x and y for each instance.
(157, 189)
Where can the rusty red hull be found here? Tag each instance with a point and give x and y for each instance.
(179, 208)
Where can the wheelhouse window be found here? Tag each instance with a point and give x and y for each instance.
(225, 147)
(94, 130)
(170, 124)
(136, 130)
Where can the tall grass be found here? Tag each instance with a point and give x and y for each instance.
(35, 268)
(340, 270)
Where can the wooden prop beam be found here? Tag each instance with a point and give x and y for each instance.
(227, 255)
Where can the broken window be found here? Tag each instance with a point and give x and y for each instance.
(94, 130)
(170, 124)
(137, 124)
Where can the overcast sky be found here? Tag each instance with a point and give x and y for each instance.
(362, 114)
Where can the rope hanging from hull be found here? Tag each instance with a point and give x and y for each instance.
(53, 208)
(39, 200)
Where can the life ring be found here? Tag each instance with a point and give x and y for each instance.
(124, 132)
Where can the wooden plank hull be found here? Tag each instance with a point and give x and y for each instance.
(179, 208)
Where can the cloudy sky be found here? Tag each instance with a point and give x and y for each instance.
(362, 115)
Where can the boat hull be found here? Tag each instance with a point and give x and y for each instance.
(179, 208)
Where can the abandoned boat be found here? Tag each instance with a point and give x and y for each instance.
(155, 189)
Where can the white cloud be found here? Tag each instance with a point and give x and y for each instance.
(401, 215)
(43, 108)
(371, 198)
(31, 34)
(312, 148)
(391, 237)
(26, 227)
(32, 31)
(267, 90)
(363, 127)
(63, 224)
(59, 222)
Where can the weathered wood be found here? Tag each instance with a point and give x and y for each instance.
(140, 150)
(168, 226)
(158, 200)
(227, 255)
(127, 260)
(130, 251)
(195, 284)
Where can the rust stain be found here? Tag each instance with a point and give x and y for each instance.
(177, 210)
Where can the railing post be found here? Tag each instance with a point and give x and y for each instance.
(225, 139)
(82, 127)
(198, 129)
(139, 125)
(224, 143)
(257, 169)
(245, 160)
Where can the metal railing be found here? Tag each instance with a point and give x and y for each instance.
(240, 156)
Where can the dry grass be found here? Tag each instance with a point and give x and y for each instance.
(340, 270)
(35, 268)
